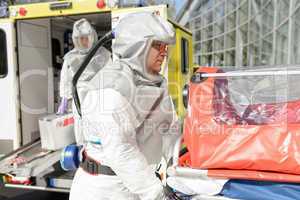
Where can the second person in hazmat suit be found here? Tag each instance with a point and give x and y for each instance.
(83, 36)
(128, 116)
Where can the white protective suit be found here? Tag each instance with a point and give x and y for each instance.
(131, 113)
(72, 61)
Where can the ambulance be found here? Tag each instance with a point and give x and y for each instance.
(33, 39)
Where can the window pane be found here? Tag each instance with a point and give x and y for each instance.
(296, 4)
(184, 55)
(219, 27)
(296, 38)
(3, 54)
(198, 36)
(219, 59)
(199, 60)
(254, 29)
(206, 47)
(204, 35)
(283, 10)
(209, 46)
(204, 6)
(245, 56)
(209, 31)
(230, 40)
(220, 11)
(208, 18)
(256, 7)
(267, 20)
(230, 58)
(197, 23)
(209, 59)
(231, 21)
(243, 13)
(282, 44)
(219, 43)
(254, 55)
(243, 34)
(204, 61)
(267, 47)
(231, 5)
(203, 48)
(197, 47)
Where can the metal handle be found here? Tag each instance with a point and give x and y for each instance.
(251, 73)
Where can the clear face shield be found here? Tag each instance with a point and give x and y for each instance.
(159, 57)
(84, 42)
(83, 35)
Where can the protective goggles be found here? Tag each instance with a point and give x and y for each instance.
(160, 46)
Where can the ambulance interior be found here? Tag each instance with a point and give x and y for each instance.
(42, 44)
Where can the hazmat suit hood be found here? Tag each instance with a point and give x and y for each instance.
(132, 45)
(128, 73)
(81, 28)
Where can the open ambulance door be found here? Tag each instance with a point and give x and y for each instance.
(36, 75)
(9, 112)
(180, 67)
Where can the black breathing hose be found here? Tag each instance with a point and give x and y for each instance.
(101, 42)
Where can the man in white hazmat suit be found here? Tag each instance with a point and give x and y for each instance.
(83, 36)
(128, 116)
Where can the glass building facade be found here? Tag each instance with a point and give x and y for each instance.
(246, 32)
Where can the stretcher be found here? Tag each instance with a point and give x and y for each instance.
(225, 142)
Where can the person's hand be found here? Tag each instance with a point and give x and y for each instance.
(169, 194)
(63, 107)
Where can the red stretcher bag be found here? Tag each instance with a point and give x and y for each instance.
(265, 138)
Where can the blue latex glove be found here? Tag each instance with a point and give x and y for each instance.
(63, 107)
